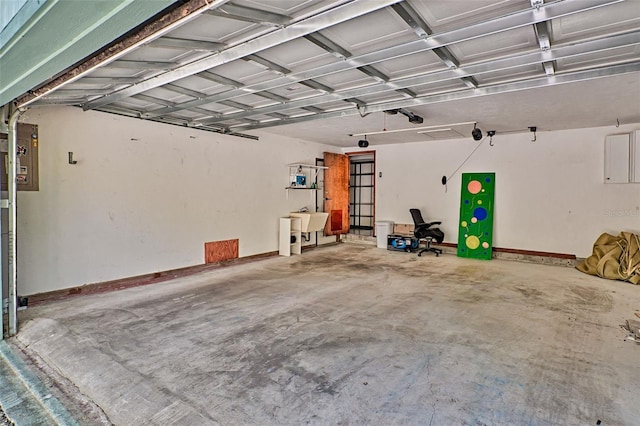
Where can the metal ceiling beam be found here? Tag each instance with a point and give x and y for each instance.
(65, 101)
(422, 29)
(415, 21)
(248, 14)
(217, 78)
(542, 34)
(153, 100)
(515, 61)
(328, 45)
(374, 73)
(407, 92)
(278, 115)
(313, 84)
(470, 82)
(267, 64)
(549, 68)
(544, 41)
(181, 43)
(535, 83)
(273, 97)
(183, 91)
(78, 92)
(230, 82)
(272, 66)
(237, 105)
(341, 53)
(206, 112)
(299, 29)
(313, 109)
(111, 109)
(108, 80)
(358, 102)
(447, 57)
(165, 102)
(505, 23)
(120, 110)
(144, 65)
(537, 3)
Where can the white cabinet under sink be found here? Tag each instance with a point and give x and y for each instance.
(290, 236)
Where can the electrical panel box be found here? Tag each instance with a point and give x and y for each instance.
(622, 158)
(634, 160)
(616, 159)
(27, 158)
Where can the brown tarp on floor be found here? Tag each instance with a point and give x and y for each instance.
(615, 258)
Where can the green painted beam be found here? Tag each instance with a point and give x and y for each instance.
(14, 14)
(61, 33)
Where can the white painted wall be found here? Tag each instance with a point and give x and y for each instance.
(145, 197)
(550, 194)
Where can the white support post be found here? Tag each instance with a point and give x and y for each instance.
(12, 187)
(4, 128)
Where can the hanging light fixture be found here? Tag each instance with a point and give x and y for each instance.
(476, 133)
(363, 143)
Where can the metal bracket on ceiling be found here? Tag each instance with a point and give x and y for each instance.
(537, 3)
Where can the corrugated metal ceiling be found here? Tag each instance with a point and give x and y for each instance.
(250, 64)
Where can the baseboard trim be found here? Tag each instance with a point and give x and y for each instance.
(146, 279)
(523, 252)
(158, 277)
(140, 280)
(530, 256)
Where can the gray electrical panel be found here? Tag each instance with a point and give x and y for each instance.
(27, 158)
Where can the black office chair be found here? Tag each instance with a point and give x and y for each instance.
(424, 231)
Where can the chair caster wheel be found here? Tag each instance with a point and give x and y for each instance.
(419, 254)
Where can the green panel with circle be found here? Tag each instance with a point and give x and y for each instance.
(475, 228)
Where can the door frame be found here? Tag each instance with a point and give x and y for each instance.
(375, 164)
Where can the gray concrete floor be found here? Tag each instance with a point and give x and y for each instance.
(24, 400)
(352, 334)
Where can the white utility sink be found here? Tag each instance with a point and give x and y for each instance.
(311, 222)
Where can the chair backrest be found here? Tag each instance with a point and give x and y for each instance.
(417, 216)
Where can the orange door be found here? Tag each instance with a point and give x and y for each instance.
(336, 193)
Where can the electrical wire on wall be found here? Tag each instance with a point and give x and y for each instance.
(446, 179)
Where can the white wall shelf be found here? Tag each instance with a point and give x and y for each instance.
(309, 172)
